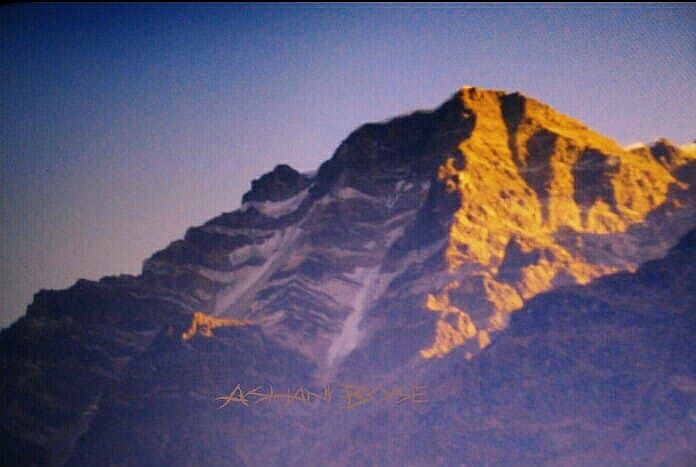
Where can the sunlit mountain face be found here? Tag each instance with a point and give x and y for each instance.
(487, 283)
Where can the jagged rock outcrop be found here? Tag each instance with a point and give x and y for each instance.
(402, 258)
(277, 185)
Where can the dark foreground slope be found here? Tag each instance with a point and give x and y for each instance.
(602, 374)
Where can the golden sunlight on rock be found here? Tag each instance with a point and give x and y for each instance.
(454, 327)
(204, 324)
(483, 339)
(534, 185)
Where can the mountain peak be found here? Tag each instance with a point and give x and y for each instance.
(520, 112)
(532, 178)
(279, 184)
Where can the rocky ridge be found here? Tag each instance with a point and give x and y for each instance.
(405, 253)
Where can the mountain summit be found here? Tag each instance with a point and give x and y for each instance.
(402, 258)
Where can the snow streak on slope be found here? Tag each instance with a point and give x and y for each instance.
(349, 336)
(280, 245)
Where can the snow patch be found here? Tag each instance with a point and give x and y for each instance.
(277, 209)
(245, 253)
(633, 146)
(403, 186)
(352, 193)
(400, 217)
(394, 234)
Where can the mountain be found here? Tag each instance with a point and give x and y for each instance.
(514, 266)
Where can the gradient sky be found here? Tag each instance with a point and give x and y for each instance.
(123, 125)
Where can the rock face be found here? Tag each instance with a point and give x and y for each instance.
(489, 250)
(280, 184)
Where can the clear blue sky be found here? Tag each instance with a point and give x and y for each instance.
(123, 125)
